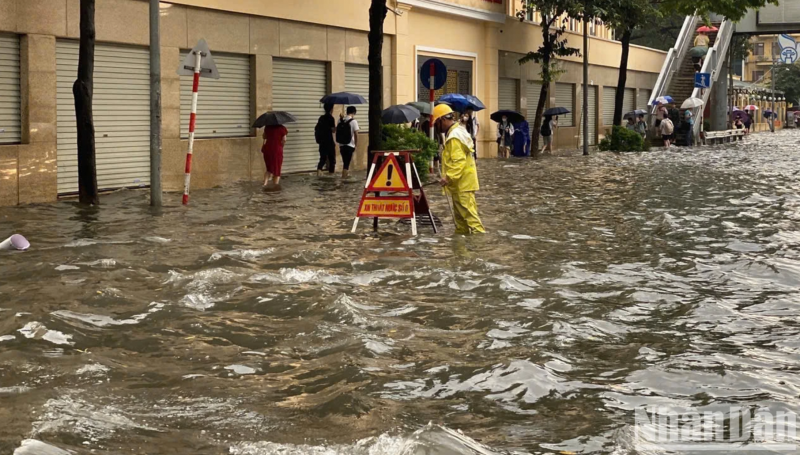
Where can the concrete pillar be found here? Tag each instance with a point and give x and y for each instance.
(490, 96)
(173, 153)
(37, 162)
(403, 64)
(719, 97)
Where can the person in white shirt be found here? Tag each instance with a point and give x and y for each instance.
(473, 127)
(347, 137)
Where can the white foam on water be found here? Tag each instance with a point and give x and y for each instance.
(296, 276)
(514, 284)
(7, 338)
(34, 447)
(37, 331)
(102, 263)
(201, 285)
(93, 369)
(246, 255)
(521, 237)
(155, 239)
(376, 345)
(14, 390)
(430, 440)
(107, 321)
(63, 268)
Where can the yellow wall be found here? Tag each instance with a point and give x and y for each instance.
(352, 14)
(481, 4)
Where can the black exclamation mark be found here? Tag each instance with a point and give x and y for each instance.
(389, 170)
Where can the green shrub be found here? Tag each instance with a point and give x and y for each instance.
(398, 137)
(622, 140)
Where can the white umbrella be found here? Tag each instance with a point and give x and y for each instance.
(751, 108)
(692, 103)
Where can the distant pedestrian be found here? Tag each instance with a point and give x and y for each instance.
(324, 134)
(631, 125)
(505, 137)
(548, 129)
(347, 137)
(641, 127)
(738, 124)
(661, 113)
(473, 127)
(272, 149)
(688, 118)
(667, 128)
(748, 122)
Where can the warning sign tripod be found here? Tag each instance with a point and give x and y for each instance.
(392, 196)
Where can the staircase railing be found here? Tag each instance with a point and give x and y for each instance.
(674, 59)
(713, 64)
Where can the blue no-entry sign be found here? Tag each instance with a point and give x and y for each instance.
(702, 80)
(439, 74)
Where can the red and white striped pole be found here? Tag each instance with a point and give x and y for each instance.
(431, 81)
(192, 121)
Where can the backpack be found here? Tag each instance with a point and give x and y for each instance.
(319, 134)
(667, 127)
(344, 134)
(545, 129)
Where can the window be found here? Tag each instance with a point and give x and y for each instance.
(758, 49)
(757, 75)
(573, 26)
(529, 14)
(776, 49)
(593, 28)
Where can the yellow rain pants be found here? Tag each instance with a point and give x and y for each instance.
(458, 165)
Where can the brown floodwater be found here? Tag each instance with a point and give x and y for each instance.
(254, 323)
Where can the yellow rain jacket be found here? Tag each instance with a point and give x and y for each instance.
(458, 165)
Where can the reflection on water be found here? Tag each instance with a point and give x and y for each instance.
(254, 323)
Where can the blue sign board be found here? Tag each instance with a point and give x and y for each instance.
(439, 74)
(702, 80)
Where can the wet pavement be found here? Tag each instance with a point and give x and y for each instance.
(254, 323)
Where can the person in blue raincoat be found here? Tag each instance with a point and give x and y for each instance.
(522, 139)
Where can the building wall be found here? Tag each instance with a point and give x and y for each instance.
(321, 30)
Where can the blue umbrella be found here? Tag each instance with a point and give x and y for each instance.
(458, 101)
(475, 103)
(343, 98)
(666, 99)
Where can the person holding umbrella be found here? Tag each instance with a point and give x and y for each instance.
(274, 140)
(459, 173)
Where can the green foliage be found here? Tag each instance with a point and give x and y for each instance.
(622, 140)
(787, 80)
(398, 137)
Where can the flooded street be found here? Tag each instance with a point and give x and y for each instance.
(254, 323)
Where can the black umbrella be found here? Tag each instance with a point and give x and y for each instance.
(556, 111)
(635, 113)
(513, 116)
(423, 107)
(273, 119)
(400, 114)
(343, 98)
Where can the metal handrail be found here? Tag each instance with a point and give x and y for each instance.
(674, 59)
(714, 63)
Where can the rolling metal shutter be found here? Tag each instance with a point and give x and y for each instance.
(534, 90)
(629, 101)
(9, 90)
(608, 105)
(297, 87)
(356, 80)
(644, 98)
(121, 108)
(508, 94)
(223, 105)
(592, 114)
(565, 97)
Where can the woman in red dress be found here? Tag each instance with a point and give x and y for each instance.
(274, 139)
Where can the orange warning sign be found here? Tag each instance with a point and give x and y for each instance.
(385, 207)
(389, 178)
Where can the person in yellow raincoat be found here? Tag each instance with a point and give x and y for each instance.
(459, 173)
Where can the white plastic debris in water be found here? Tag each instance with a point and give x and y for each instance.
(38, 331)
(15, 242)
(34, 447)
(241, 369)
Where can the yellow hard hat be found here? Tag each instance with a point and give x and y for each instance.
(440, 111)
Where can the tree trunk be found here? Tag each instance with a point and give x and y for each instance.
(623, 77)
(537, 123)
(377, 15)
(83, 90)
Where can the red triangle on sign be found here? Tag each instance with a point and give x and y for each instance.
(389, 177)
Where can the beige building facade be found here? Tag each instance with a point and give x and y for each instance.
(272, 55)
